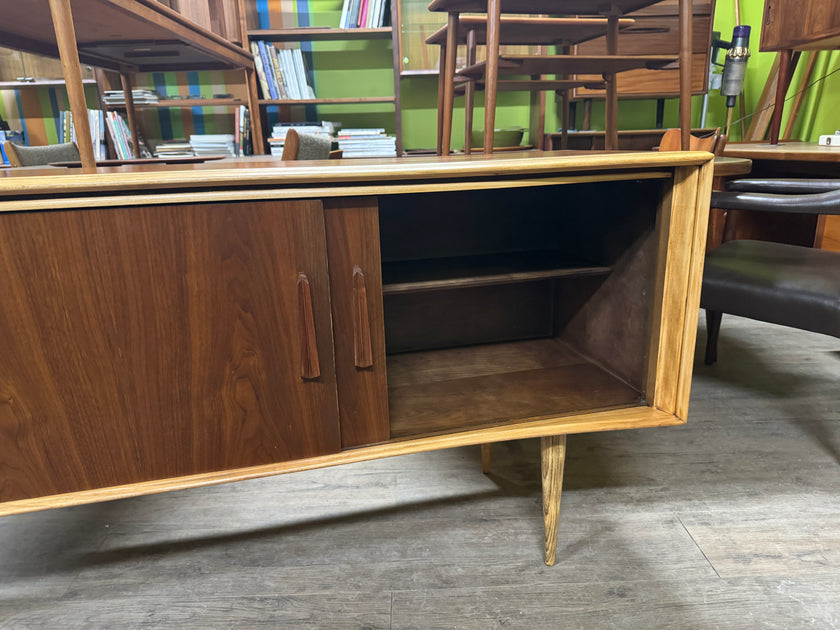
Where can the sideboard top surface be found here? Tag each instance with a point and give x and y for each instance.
(343, 177)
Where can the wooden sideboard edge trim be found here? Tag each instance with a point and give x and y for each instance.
(695, 281)
(635, 417)
(105, 201)
(265, 173)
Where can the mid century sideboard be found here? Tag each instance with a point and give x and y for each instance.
(164, 327)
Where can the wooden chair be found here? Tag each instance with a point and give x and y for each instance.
(711, 141)
(778, 283)
(307, 146)
(21, 155)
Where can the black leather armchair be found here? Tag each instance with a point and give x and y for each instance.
(773, 282)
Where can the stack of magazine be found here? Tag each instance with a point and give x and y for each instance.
(281, 72)
(364, 14)
(116, 98)
(213, 144)
(366, 143)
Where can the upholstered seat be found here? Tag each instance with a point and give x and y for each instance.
(21, 155)
(774, 282)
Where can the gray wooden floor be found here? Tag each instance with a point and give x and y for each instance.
(732, 521)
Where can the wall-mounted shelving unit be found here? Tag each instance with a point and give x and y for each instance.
(323, 34)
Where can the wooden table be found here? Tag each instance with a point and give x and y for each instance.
(790, 159)
(171, 326)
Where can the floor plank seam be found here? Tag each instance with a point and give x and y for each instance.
(699, 548)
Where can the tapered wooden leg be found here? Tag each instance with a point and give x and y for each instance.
(449, 83)
(553, 455)
(494, 12)
(486, 452)
(441, 99)
(65, 37)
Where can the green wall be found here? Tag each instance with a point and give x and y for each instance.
(337, 73)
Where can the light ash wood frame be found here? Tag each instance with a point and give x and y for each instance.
(681, 231)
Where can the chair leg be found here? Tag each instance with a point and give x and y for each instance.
(712, 330)
(553, 456)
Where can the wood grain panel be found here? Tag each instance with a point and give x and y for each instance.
(148, 343)
(353, 242)
(497, 394)
(813, 25)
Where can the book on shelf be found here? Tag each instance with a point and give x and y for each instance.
(96, 122)
(213, 144)
(281, 72)
(364, 14)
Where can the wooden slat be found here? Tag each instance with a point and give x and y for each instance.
(352, 226)
(476, 271)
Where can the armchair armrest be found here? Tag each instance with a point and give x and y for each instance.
(784, 185)
(819, 203)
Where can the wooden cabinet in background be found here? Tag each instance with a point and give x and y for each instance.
(657, 31)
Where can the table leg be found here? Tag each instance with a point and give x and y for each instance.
(469, 95)
(65, 36)
(685, 73)
(782, 86)
(449, 83)
(494, 17)
(553, 456)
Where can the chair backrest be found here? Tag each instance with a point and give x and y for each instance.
(20, 155)
(712, 141)
(305, 146)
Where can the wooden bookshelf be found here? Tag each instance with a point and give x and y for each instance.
(127, 36)
(330, 34)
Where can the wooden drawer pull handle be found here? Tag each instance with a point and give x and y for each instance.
(309, 366)
(363, 352)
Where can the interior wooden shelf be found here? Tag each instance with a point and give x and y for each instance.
(456, 389)
(17, 85)
(319, 34)
(476, 271)
(569, 64)
(552, 7)
(530, 31)
(353, 100)
(185, 102)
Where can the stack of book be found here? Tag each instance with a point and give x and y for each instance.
(281, 72)
(278, 133)
(364, 14)
(173, 148)
(116, 98)
(366, 143)
(213, 144)
(96, 121)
